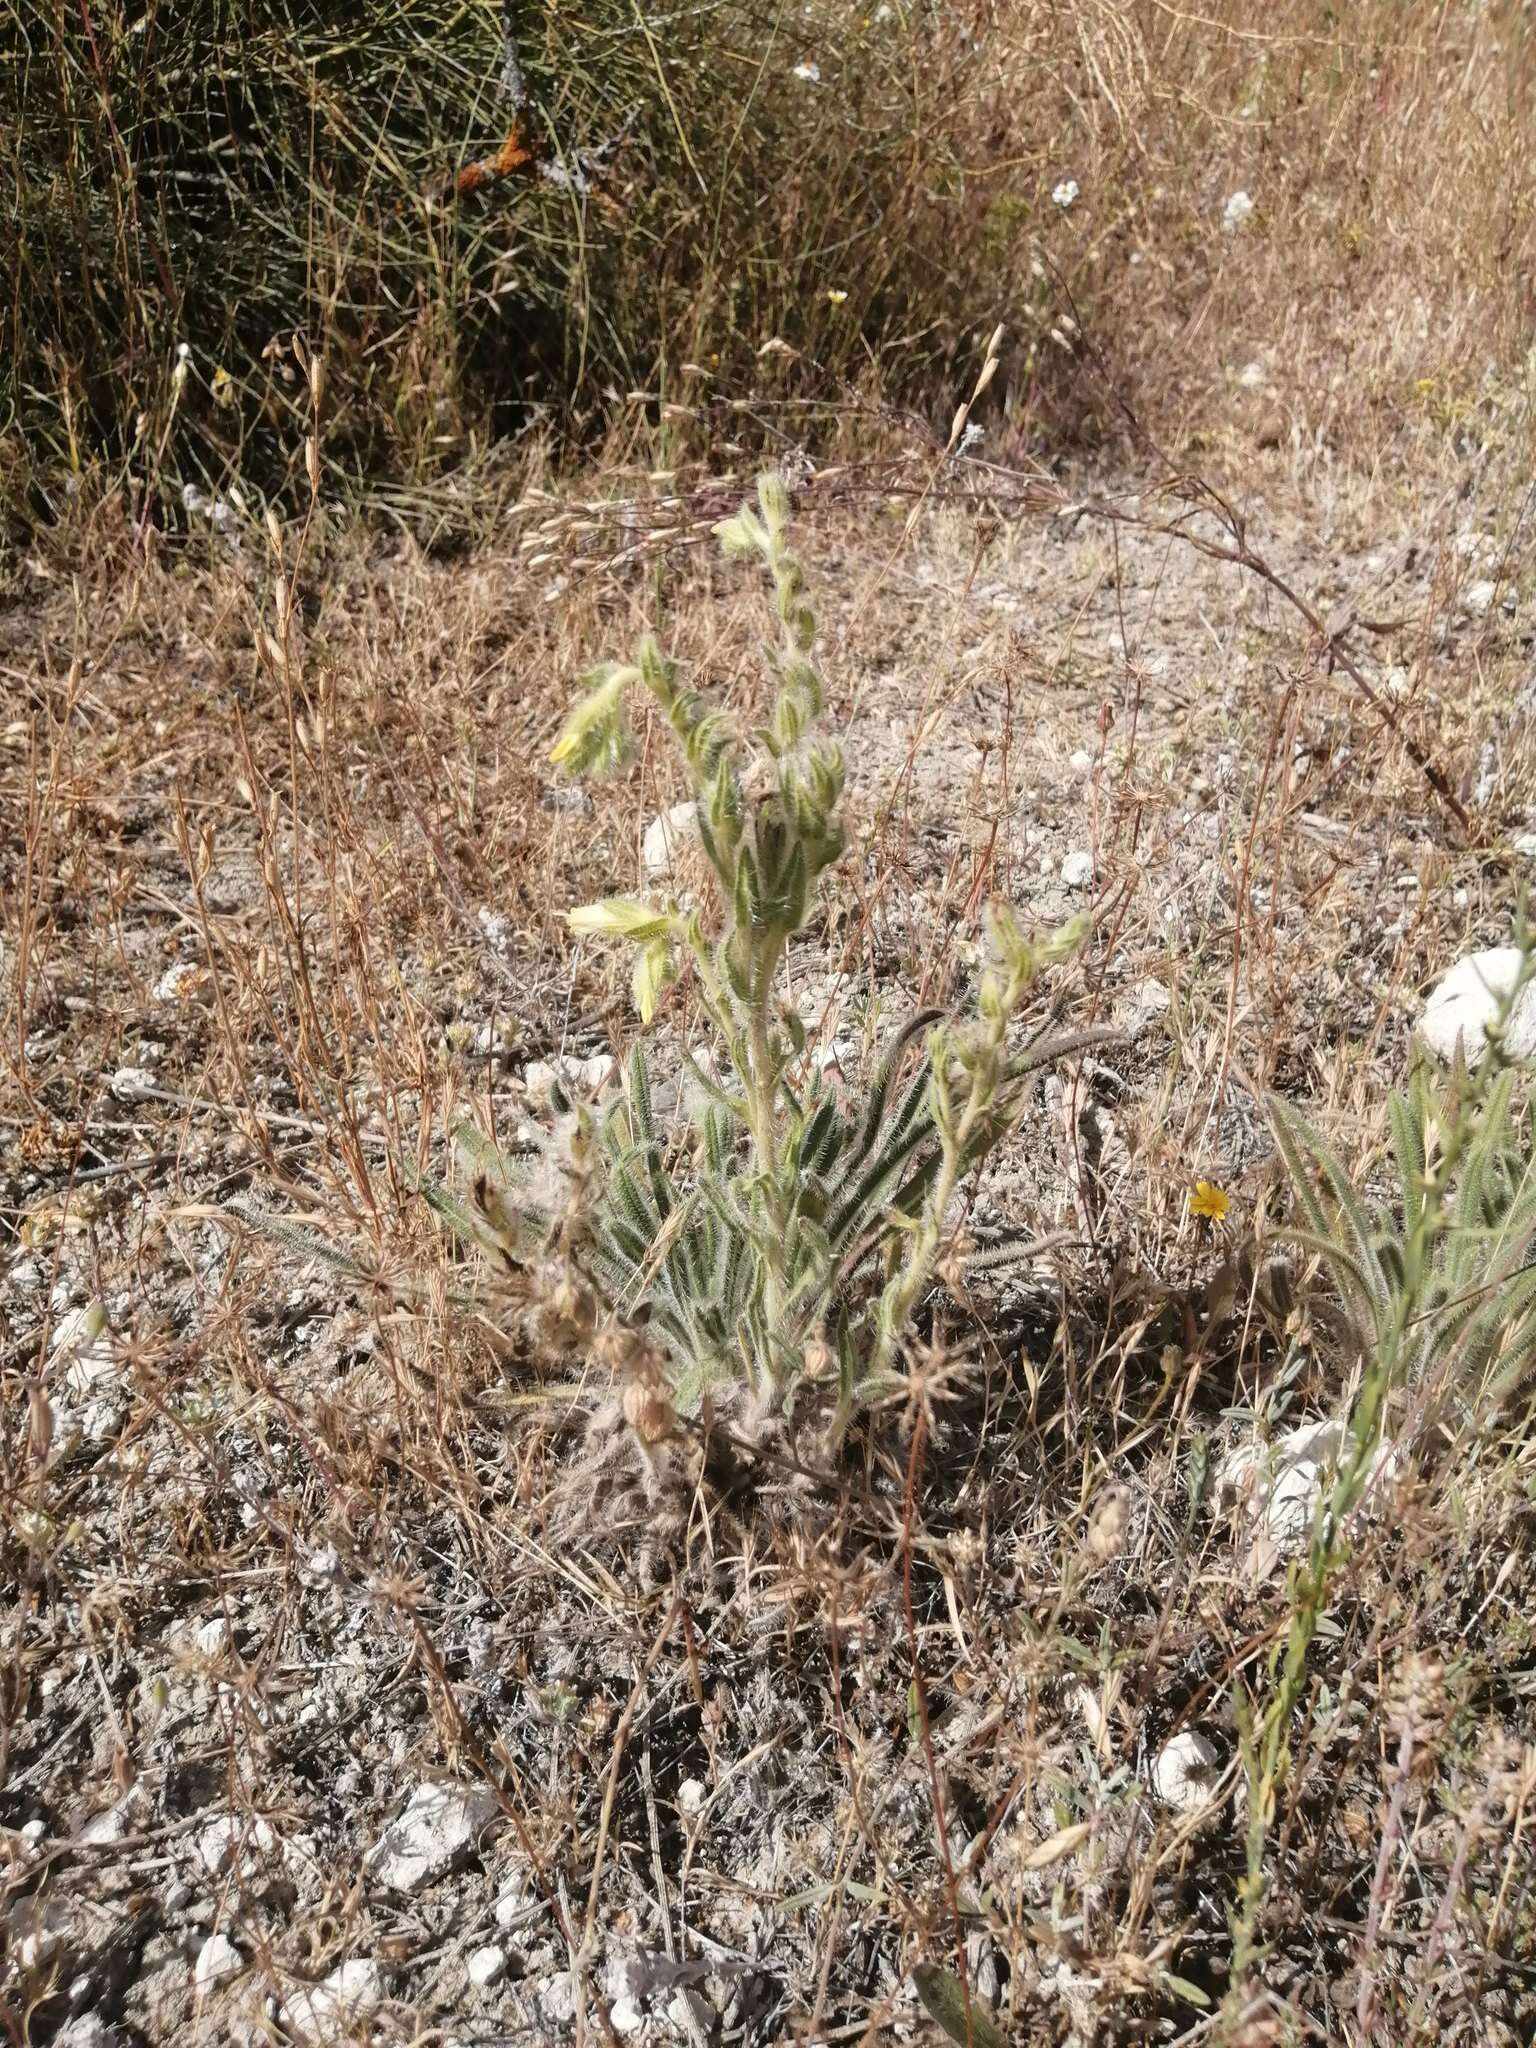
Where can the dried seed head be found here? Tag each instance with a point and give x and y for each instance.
(617, 1347)
(647, 1402)
(1511, 1771)
(39, 1422)
(568, 1308)
(1106, 1532)
(952, 1269)
(1417, 1705)
(820, 1360)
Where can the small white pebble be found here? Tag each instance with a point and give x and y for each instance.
(133, 1084)
(515, 1905)
(665, 837)
(179, 981)
(487, 1966)
(1077, 870)
(35, 1948)
(559, 1997)
(1185, 1770)
(323, 2012)
(213, 1638)
(217, 1961)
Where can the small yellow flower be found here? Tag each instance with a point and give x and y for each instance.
(837, 298)
(224, 391)
(1209, 1200)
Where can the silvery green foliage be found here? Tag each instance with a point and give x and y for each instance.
(1457, 1240)
(781, 1241)
(1439, 1287)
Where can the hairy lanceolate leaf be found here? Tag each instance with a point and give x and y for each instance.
(299, 1238)
(967, 2020)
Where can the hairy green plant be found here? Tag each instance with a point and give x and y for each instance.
(1439, 1294)
(1462, 1259)
(786, 1235)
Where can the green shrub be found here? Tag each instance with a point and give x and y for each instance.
(778, 1236)
(1439, 1286)
(783, 1239)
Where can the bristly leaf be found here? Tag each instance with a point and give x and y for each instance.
(1406, 1113)
(298, 1237)
(474, 1154)
(640, 1096)
(967, 2021)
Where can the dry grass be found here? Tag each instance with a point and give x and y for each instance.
(857, 235)
(697, 1713)
(284, 874)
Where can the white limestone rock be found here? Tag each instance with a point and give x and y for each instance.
(665, 838)
(1466, 1001)
(322, 2013)
(1185, 1770)
(441, 1824)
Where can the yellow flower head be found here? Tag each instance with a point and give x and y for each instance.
(1209, 1200)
